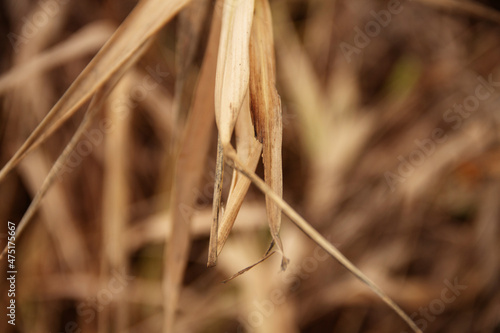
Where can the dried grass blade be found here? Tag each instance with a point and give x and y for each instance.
(189, 172)
(232, 65)
(144, 22)
(266, 110)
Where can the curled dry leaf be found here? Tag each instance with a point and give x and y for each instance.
(266, 110)
(231, 87)
(255, 80)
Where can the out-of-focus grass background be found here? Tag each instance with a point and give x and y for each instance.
(390, 149)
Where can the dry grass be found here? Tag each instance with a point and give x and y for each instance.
(118, 167)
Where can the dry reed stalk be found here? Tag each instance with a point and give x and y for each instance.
(187, 175)
(266, 110)
(116, 199)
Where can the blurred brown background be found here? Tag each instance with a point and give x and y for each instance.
(390, 149)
